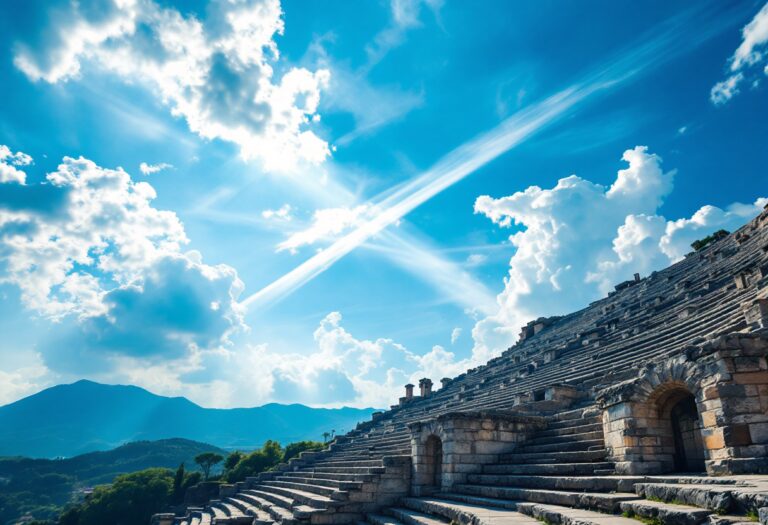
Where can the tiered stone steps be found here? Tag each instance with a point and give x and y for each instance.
(484, 511)
(574, 486)
(657, 317)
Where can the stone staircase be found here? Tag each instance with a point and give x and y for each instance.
(561, 475)
(586, 508)
(354, 475)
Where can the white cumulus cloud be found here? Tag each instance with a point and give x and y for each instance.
(575, 241)
(9, 165)
(217, 73)
(21, 382)
(364, 372)
(87, 247)
(749, 56)
(341, 370)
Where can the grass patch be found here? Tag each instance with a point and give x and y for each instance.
(642, 519)
(674, 501)
(648, 521)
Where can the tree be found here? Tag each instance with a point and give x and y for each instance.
(256, 462)
(326, 436)
(232, 460)
(178, 485)
(70, 516)
(273, 451)
(207, 460)
(294, 449)
(130, 500)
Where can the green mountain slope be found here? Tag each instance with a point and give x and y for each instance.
(40, 487)
(101, 467)
(67, 420)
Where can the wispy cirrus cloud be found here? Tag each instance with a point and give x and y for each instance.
(405, 16)
(452, 168)
(389, 208)
(149, 169)
(326, 223)
(453, 282)
(283, 213)
(751, 54)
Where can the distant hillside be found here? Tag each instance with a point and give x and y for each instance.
(41, 487)
(101, 467)
(67, 420)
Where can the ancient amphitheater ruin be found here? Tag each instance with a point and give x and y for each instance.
(650, 405)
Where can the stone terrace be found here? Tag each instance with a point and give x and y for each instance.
(584, 420)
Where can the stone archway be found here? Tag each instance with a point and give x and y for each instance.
(640, 431)
(434, 462)
(679, 428)
(449, 447)
(705, 404)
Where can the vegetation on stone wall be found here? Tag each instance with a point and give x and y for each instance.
(709, 239)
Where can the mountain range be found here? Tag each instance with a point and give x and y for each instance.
(85, 416)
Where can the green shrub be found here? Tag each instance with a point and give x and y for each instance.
(256, 462)
(294, 449)
(709, 239)
(130, 500)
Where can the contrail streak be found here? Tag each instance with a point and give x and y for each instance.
(454, 167)
(449, 278)
(469, 157)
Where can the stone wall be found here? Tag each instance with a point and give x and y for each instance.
(467, 441)
(382, 489)
(728, 378)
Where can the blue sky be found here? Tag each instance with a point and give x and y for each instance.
(243, 201)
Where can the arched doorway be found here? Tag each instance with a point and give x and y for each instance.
(681, 426)
(434, 453)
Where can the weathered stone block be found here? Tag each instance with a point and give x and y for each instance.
(714, 440)
(742, 405)
(751, 378)
(163, 519)
(737, 435)
(749, 364)
(759, 432)
(394, 485)
(709, 418)
(722, 453)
